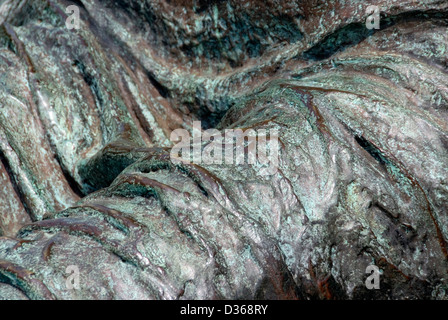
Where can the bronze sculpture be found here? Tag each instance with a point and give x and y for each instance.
(88, 179)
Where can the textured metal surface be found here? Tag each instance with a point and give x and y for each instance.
(86, 177)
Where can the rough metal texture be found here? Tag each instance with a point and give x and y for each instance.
(87, 180)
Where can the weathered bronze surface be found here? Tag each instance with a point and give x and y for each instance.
(86, 177)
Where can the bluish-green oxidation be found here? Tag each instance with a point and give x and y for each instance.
(87, 178)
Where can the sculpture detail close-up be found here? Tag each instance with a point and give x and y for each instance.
(171, 149)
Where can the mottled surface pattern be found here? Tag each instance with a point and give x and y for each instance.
(86, 177)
